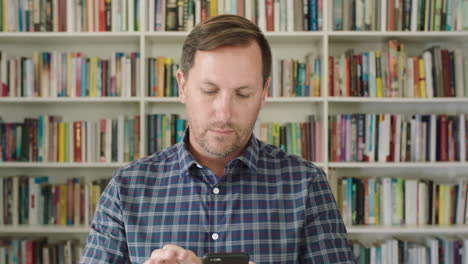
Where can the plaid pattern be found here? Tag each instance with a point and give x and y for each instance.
(274, 206)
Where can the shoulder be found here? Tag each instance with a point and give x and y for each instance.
(274, 160)
(150, 166)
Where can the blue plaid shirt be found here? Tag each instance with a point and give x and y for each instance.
(274, 206)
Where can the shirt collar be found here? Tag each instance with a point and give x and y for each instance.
(249, 156)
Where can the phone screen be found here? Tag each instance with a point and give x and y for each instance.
(226, 258)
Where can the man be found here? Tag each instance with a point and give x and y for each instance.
(221, 189)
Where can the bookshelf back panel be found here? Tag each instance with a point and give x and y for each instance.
(60, 175)
(439, 175)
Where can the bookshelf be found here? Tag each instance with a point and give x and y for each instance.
(325, 43)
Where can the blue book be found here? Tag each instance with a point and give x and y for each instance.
(300, 85)
(313, 19)
(40, 138)
(180, 129)
(365, 73)
(84, 78)
(337, 19)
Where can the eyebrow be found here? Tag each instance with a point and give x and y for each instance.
(215, 85)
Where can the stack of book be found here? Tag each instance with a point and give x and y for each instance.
(436, 72)
(398, 138)
(398, 201)
(269, 15)
(162, 77)
(51, 139)
(70, 74)
(70, 16)
(36, 201)
(163, 130)
(300, 139)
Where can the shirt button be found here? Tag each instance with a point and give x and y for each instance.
(215, 236)
(199, 166)
(216, 190)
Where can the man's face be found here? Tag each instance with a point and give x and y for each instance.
(223, 95)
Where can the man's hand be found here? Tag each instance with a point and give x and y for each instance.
(172, 254)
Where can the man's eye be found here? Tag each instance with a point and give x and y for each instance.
(209, 92)
(244, 95)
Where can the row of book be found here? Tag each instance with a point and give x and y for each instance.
(300, 139)
(162, 77)
(70, 74)
(395, 138)
(49, 138)
(399, 15)
(428, 15)
(296, 78)
(40, 251)
(432, 250)
(35, 201)
(398, 201)
(437, 72)
(70, 16)
(164, 130)
(269, 15)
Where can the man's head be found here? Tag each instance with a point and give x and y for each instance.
(223, 82)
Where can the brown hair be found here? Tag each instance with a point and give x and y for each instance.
(224, 30)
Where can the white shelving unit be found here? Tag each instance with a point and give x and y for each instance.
(284, 45)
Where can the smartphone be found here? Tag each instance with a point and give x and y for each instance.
(226, 258)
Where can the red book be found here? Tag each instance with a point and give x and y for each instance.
(29, 252)
(270, 24)
(443, 138)
(77, 142)
(78, 60)
(104, 78)
(391, 157)
(240, 6)
(331, 76)
(102, 15)
(303, 141)
(348, 76)
(391, 15)
(203, 11)
(446, 72)
(70, 201)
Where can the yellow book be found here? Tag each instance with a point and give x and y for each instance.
(379, 74)
(61, 142)
(214, 8)
(95, 194)
(422, 78)
(160, 73)
(63, 204)
(118, 75)
(275, 131)
(442, 204)
(92, 76)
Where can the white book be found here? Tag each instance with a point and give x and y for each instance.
(261, 16)
(33, 200)
(462, 137)
(433, 138)
(13, 91)
(197, 12)
(276, 15)
(15, 201)
(120, 138)
(423, 141)
(359, 10)
(283, 15)
(427, 56)
(108, 140)
(151, 15)
(70, 18)
(384, 138)
(461, 204)
(128, 76)
(387, 201)
(227, 6)
(423, 205)
(460, 89)
(373, 252)
(54, 16)
(465, 72)
(465, 251)
(131, 15)
(383, 21)
(384, 253)
(124, 15)
(417, 142)
(3, 67)
(413, 135)
(114, 16)
(222, 11)
(124, 76)
(73, 75)
(77, 15)
(68, 252)
(397, 138)
(414, 16)
(411, 201)
(372, 75)
(290, 16)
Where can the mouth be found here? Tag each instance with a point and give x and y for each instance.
(222, 131)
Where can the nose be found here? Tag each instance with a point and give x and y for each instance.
(224, 106)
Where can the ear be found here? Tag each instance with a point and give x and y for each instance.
(182, 83)
(265, 91)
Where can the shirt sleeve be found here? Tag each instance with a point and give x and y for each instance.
(107, 242)
(325, 238)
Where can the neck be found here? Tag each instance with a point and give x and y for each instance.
(215, 164)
